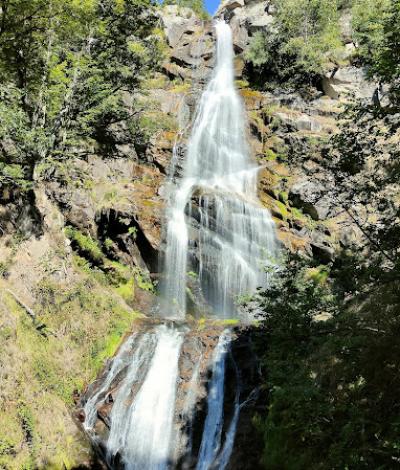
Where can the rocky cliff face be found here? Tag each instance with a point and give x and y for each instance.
(288, 130)
(79, 249)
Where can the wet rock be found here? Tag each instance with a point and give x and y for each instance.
(194, 376)
(81, 416)
(103, 412)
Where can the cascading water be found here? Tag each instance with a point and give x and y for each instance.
(120, 361)
(211, 441)
(218, 229)
(141, 424)
(235, 235)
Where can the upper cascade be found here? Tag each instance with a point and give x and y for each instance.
(216, 226)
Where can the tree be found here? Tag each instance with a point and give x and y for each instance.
(331, 370)
(377, 31)
(65, 67)
(329, 343)
(303, 42)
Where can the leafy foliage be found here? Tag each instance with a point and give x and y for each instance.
(376, 28)
(368, 17)
(65, 67)
(332, 374)
(329, 343)
(364, 161)
(304, 41)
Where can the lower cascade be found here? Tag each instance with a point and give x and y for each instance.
(172, 395)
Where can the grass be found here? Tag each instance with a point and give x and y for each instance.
(282, 208)
(248, 94)
(207, 322)
(155, 83)
(181, 88)
(85, 244)
(270, 155)
(127, 289)
(298, 214)
(241, 84)
(88, 319)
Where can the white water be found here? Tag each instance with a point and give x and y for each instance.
(235, 235)
(142, 430)
(226, 452)
(118, 363)
(211, 439)
(121, 411)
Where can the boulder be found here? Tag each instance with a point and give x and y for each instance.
(347, 81)
(322, 249)
(300, 122)
(245, 18)
(255, 16)
(177, 22)
(233, 4)
(345, 26)
(182, 56)
(8, 149)
(239, 34)
(310, 197)
(176, 71)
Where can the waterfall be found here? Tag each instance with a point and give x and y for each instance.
(121, 412)
(218, 230)
(234, 236)
(118, 363)
(211, 440)
(142, 430)
(226, 452)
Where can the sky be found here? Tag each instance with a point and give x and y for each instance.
(211, 6)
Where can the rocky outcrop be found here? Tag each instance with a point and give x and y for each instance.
(311, 197)
(114, 194)
(190, 41)
(348, 81)
(18, 213)
(91, 191)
